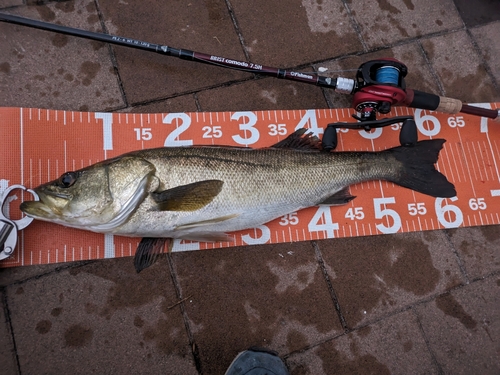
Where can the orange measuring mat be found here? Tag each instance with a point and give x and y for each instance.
(39, 145)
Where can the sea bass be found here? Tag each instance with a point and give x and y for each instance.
(202, 193)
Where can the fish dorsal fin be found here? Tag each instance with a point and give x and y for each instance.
(340, 197)
(300, 140)
(149, 250)
(190, 197)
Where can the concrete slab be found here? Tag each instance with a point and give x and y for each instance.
(47, 70)
(269, 296)
(205, 27)
(391, 346)
(7, 350)
(390, 21)
(185, 103)
(479, 249)
(476, 13)
(379, 275)
(463, 327)
(486, 37)
(262, 94)
(460, 68)
(100, 317)
(10, 3)
(302, 31)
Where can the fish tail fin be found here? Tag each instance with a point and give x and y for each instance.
(418, 171)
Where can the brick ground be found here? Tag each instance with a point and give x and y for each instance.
(410, 303)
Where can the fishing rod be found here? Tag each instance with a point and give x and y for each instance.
(378, 85)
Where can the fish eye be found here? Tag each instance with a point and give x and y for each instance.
(67, 180)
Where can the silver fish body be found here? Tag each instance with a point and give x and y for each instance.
(201, 193)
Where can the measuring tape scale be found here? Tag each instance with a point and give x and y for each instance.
(39, 145)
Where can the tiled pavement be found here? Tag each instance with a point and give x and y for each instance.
(413, 303)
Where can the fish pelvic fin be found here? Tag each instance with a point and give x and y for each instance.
(149, 250)
(418, 171)
(339, 198)
(190, 197)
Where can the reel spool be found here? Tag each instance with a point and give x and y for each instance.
(380, 85)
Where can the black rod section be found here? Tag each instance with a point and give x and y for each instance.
(169, 51)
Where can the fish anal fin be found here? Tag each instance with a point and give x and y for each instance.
(202, 223)
(190, 197)
(339, 198)
(300, 140)
(149, 250)
(210, 237)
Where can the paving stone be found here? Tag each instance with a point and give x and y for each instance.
(463, 327)
(479, 249)
(100, 317)
(419, 75)
(14, 275)
(375, 276)
(7, 350)
(203, 27)
(10, 3)
(303, 31)
(47, 70)
(389, 21)
(262, 94)
(478, 12)
(486, 38)
(184, 103)
(391, 346)
(459, 68)
(272, 296)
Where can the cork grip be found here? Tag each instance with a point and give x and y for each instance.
(449, 105)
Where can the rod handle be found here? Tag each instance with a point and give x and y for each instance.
(423, 100)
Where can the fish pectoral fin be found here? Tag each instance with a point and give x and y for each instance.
(210, 237)
(149, 250)
(340, 197)
(190, 197)
(202, 223)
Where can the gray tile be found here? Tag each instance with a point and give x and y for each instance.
(459, 68)
(391, 346)
(10, 3)
(184, 103)
(302, 31)
(262, 94)
(7, 350)
(205, 28)
(102, 316)
(478, 12)
(271, 296)
(463, 327)
(48, 70)
(479, 249)
(374, 276)
(486, 38)
(389, 21)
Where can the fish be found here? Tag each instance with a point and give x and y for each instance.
(203, 193)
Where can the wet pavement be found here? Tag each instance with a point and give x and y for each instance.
(406, 303)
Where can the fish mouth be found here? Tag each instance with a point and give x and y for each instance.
(48, 207)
